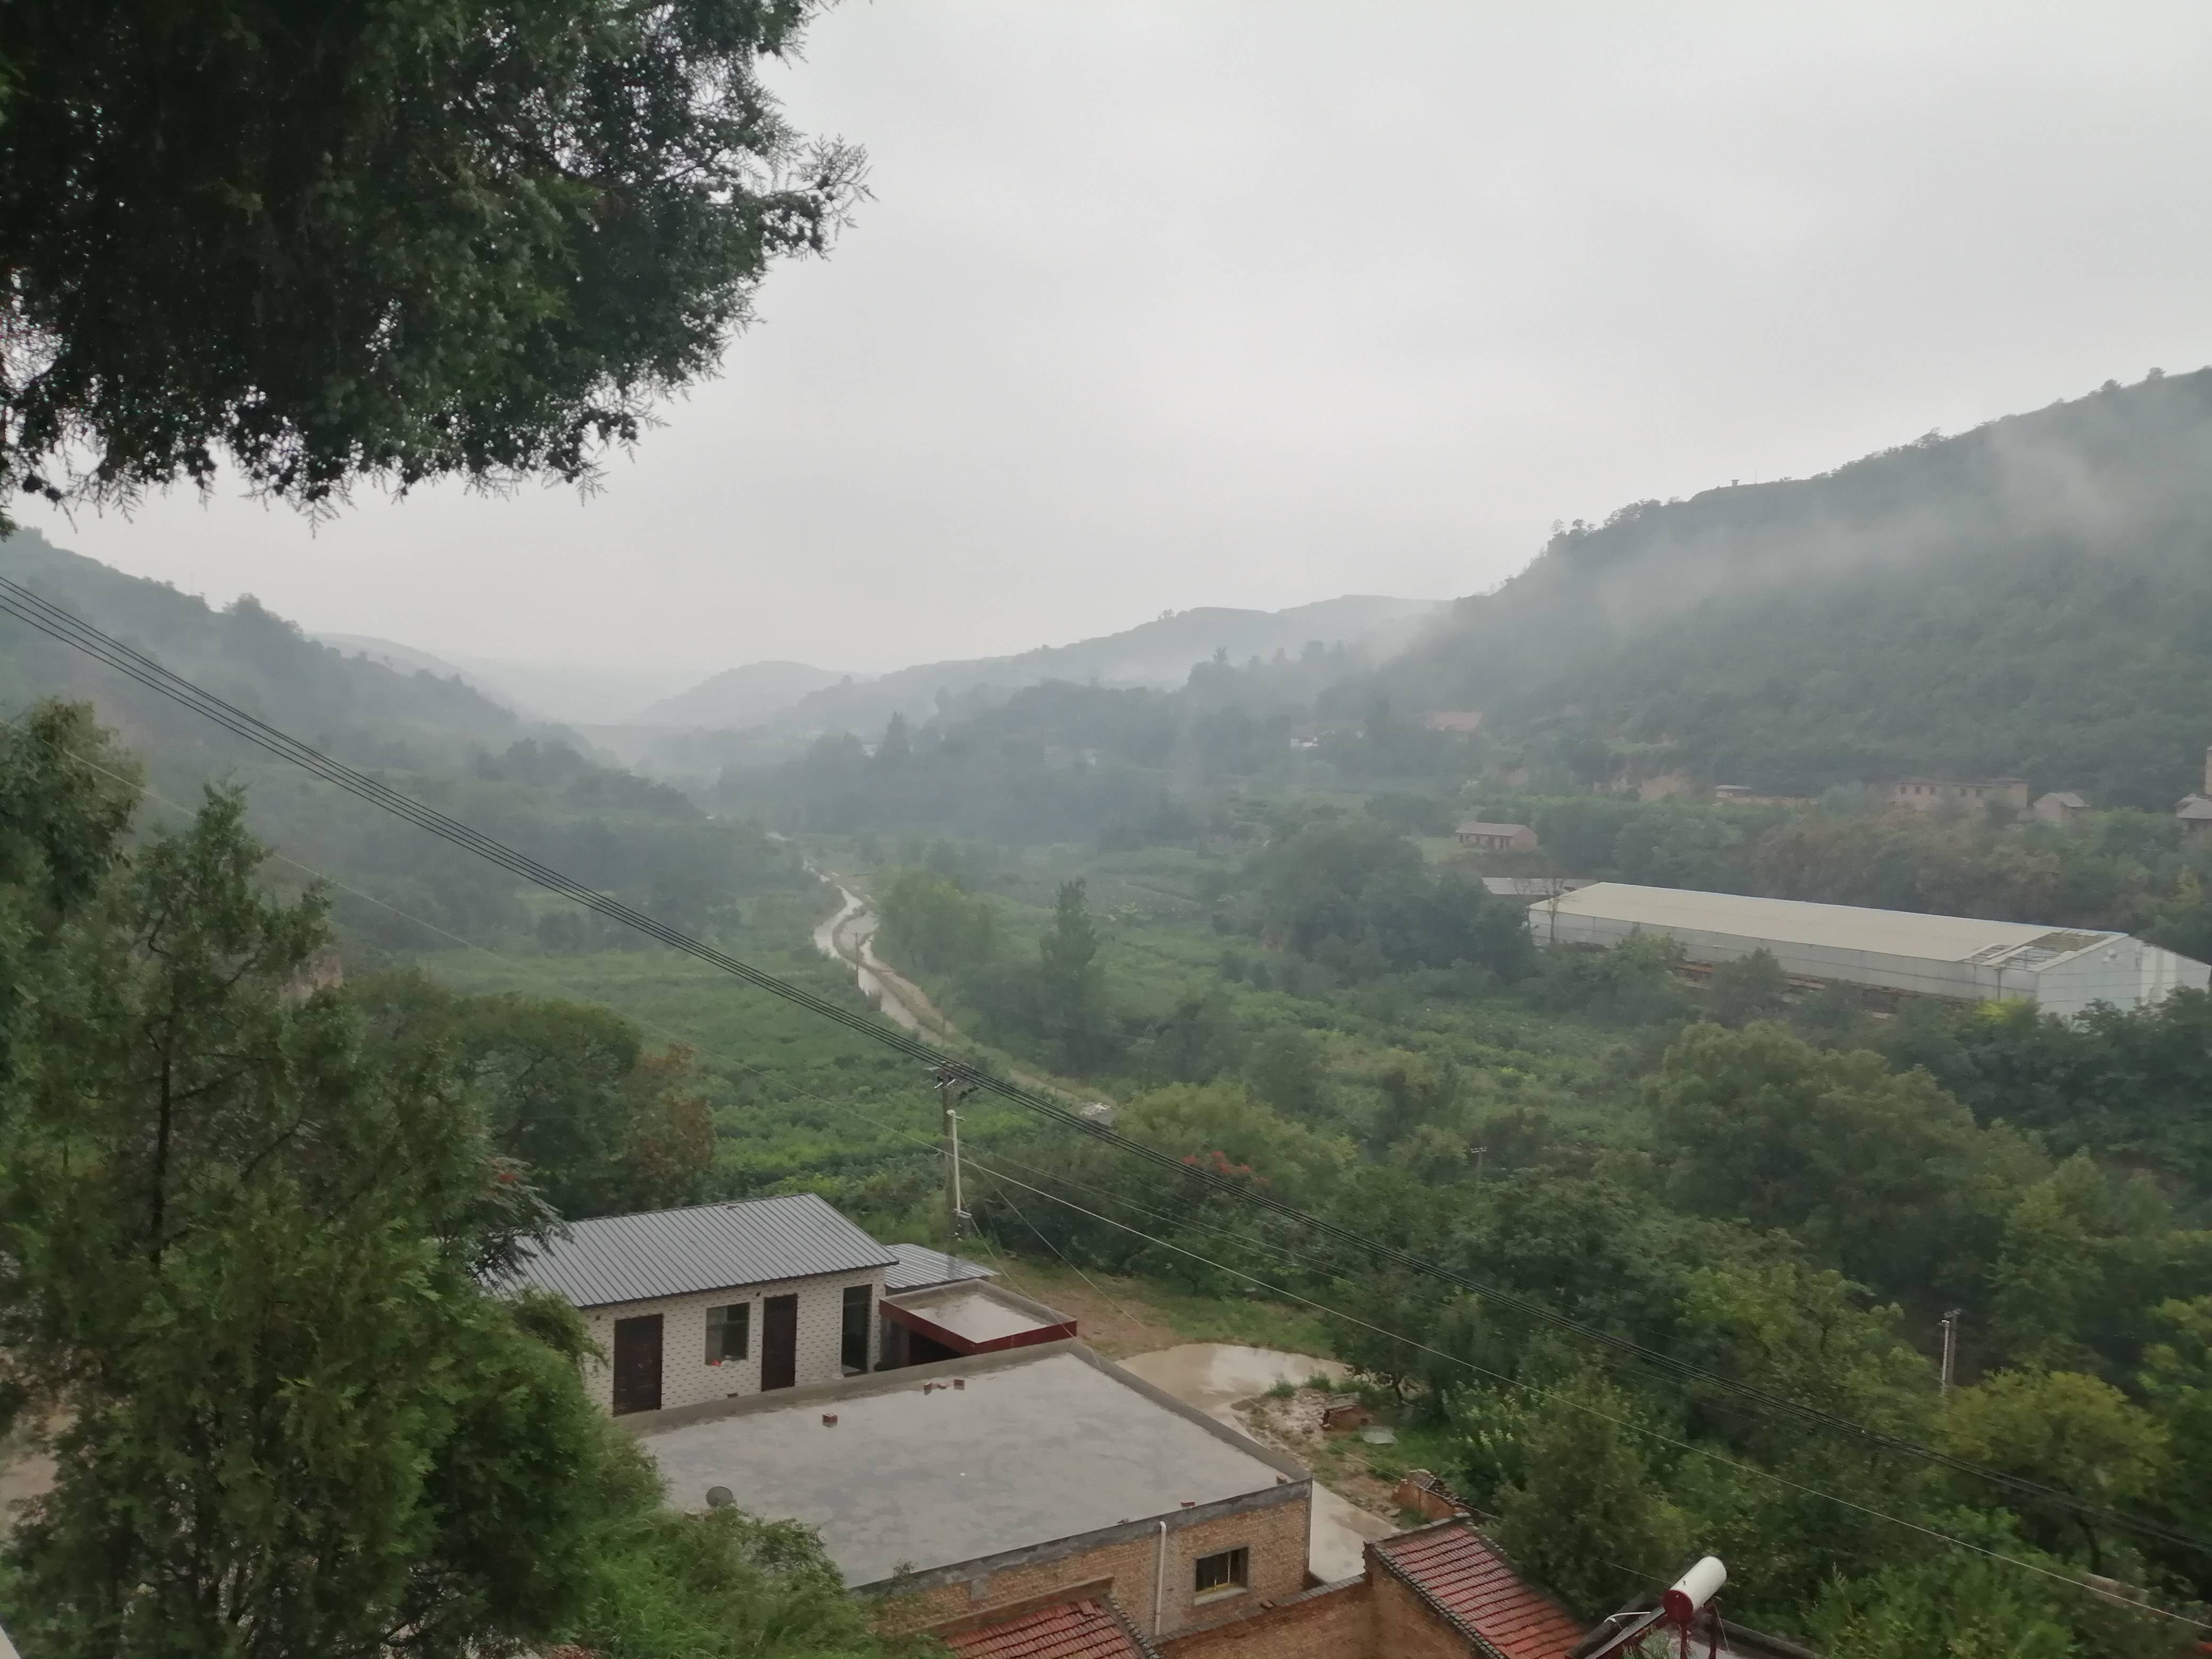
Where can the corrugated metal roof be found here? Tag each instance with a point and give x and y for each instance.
(1086, 1629)
(1477, 827)
(2193, 807)
(1796, 922)
(917, 1266)
(708, 1246)
(1456, 1572)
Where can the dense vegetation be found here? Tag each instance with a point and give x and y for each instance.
(1785, 1190)
(2032, 598)
(424, 241)
(1234, 909)
(250, 1232)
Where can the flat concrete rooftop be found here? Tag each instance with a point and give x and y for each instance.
(1039, 1444)
(975, 1313)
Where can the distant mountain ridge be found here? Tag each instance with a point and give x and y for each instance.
(360, 708)
(2030, 598)
(739, 696)
(1160, 653)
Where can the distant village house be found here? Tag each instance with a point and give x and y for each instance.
(2195, 811)
(1466, 721)
(1929, 794)
(2060, 806)
(1496, 837)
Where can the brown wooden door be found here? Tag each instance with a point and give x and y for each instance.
(779, 1342)
(637, 1363)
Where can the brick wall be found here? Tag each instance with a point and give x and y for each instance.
(686, 1378)
(1336, 1621)
(1407, 1627)
(1275, 1533)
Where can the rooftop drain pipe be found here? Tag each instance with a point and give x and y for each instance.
(1160, 1579)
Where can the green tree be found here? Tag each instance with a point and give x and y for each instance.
(720, 1585)
(1586, 1517)
(1956, 1607)
(567, 1089)
(2062, 1429)
(1286, 1071)
(1750, 988)
(2177, 1384)
(425, 239)
(1071, 981)
(1884, 1173)
(931, 925)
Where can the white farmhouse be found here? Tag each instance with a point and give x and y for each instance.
(719, 1300)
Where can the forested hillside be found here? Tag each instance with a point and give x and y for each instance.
(434, 737)
(1157, 654)
(2032, 598)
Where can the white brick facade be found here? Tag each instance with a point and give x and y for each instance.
(686, 1378)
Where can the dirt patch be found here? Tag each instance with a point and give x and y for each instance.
(1293, 1424)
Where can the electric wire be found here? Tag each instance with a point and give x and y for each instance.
(2115, 1598)
(59, 623)
(999, 1179)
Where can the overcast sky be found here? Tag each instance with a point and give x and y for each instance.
(1252, 304)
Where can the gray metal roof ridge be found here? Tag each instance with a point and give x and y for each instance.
(651, 1254)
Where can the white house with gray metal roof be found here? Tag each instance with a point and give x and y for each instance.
(719, 1300)
(2062, 971)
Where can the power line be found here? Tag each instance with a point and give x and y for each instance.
(2116, 1599)
(53, 620)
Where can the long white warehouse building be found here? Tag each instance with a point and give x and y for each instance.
(2062, 971)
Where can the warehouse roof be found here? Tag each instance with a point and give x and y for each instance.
(918, 1266)
(708, 1246)
(1833, 927)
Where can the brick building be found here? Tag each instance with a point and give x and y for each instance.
(981, 1485)
(1441, 1591)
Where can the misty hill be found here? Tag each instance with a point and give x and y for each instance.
(739, 696)
(572, 692)
(361, 708)
(428, 733)
(406, 660)
(2032, 598)
(1157, 654)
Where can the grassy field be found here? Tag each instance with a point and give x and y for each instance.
(1156, 905)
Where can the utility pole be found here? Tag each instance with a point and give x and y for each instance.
(1950, 1345)
(952, 1085)
(1478, 1152)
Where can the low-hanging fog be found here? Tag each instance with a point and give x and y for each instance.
(1254, 304)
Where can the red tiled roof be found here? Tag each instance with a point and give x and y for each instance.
(1086, 1629)
(1456, 1568)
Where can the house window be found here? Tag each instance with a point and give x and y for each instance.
(1231, 1570)
(859, 1309)
(729, 1332)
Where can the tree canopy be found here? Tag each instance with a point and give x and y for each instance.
(396, 241)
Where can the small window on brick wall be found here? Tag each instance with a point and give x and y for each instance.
(1231, 1570)
(729, 1332)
